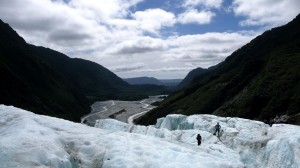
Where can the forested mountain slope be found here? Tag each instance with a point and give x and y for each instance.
(48, 82)
(191, 76)
(261, 80)
(29, 82)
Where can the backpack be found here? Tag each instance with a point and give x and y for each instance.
(199, 138)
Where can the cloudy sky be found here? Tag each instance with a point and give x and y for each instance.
(159, 38)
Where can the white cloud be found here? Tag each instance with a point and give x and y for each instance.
(103, 11)
(152, 20)
(268, 13)
(138, 45)
(193, 16)
(206, 49)
(129, 67)
(168, 69)
(205, 3)
(180, 54)
(115, 36)
(141, 67)
(52, 24)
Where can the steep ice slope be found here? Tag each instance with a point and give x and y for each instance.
(254, 143)
(28, 140)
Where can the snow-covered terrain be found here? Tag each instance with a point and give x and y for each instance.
(30, 140)
(252, 142)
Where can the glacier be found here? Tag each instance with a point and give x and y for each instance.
(31, 140)
(254, 143)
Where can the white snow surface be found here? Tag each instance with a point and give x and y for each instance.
(31, 140)
(253, 143)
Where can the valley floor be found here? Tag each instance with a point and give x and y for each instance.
(123, 111)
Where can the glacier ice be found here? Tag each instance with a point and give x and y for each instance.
(255, 143)
(30, 140)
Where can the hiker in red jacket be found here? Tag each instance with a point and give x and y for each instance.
(199, 139)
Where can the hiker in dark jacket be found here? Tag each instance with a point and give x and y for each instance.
(199, 139)
(218, 127)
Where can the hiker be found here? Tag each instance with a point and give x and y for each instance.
(199, 139)
(218, 127)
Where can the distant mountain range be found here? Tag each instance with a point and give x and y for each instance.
(48, 82)
(261, 81)
(143, 80)
(151, 80)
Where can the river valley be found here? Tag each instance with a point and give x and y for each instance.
(125, 111)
